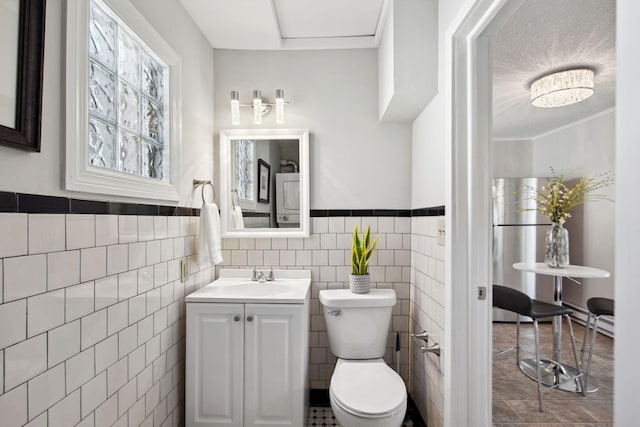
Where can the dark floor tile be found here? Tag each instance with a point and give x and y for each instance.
(528, 411)
(320, 416)
(600, 410)
(561, 408)
(502, 413)
(569, 411)
(507, 389)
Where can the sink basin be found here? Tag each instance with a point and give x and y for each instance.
(289, 287)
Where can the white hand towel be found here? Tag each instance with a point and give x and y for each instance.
(238, 220)
(209, 246)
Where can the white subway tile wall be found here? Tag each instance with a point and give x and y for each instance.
(327, 254)
(103, 340)
(427, 313)
(92, 315)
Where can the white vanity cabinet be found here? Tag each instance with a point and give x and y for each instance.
(246, 363)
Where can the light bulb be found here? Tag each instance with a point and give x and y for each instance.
(279, 106)
(257, 107)
(235, 108)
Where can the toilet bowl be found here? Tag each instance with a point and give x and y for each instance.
(364, 391)
(367, 393)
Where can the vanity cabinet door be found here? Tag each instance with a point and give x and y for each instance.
(275, 365)
(214, 364)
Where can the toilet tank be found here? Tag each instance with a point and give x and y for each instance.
(357, 324)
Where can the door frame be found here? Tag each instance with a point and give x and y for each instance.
(468, 383)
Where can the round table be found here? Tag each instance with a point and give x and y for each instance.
(554, 372)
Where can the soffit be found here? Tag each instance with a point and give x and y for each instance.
(288, 24)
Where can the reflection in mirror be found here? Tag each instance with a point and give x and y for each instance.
(264, 183)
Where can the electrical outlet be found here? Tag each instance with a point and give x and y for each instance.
(441, 232)
(184, 269)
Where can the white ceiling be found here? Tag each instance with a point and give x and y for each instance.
(289, 24)
(543, 36)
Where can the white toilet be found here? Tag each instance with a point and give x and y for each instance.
(364, 390)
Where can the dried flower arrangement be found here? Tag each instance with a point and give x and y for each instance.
(555, 200)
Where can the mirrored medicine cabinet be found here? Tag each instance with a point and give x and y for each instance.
(264, 183)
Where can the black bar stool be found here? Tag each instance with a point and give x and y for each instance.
(515, 301)
(597, 307)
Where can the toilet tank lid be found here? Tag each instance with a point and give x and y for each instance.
(346, 298)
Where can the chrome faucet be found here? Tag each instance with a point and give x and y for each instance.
(262, 276)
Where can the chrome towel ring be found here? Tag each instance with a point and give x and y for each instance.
(204, 183)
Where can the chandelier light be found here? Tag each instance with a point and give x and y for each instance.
(261, 107)
(562, 88)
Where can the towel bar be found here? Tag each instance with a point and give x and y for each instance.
(199, 182)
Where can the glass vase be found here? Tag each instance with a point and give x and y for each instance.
(557, 247)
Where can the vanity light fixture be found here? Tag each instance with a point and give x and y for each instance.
(235, 108)
(562, 88)
(261, 107)
(257, 107)
(279, 106)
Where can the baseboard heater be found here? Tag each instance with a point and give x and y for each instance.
(606, 324)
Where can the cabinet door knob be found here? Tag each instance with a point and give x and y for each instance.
(249, 318)
(236, 318)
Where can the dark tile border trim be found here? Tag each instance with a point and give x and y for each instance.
(433, 211)
(256, 214)
(33, 203)
(320, 397)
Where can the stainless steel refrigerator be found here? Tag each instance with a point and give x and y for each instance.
(518, 236)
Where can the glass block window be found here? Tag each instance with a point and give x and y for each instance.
(128, 99)
(244, 150)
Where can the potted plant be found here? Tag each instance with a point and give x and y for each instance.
(361, 250)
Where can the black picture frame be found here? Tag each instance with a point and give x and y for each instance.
(264, 181)
(26, 134)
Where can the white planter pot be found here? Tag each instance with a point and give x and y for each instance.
(359, 283)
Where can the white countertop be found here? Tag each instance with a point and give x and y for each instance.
(236, 286)
(570, 271)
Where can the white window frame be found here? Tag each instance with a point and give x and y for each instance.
(246, 203)
(80, 175)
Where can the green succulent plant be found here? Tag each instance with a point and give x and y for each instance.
(361, 250)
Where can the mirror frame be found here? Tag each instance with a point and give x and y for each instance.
(26, 134)
(302, 135)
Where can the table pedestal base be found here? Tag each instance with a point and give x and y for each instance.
(553, 373)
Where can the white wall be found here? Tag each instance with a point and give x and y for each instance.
(100, 336)
(428, 140)
(627, 246)
(429, 182)
(355, 162)
(512, 158)
(41, 173)
(407, 59)
(586, 148)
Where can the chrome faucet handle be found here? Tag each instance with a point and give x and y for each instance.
(424, 336)
(254, 276)
(261, 277)
(270, 276)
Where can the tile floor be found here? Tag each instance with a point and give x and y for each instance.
(322, 416)
(515, 401)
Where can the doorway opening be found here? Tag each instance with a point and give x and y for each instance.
(473, 166)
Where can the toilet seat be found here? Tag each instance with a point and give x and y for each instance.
(367, 388)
